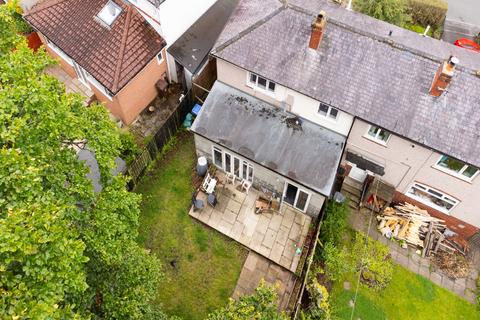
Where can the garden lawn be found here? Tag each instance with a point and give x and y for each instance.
(408, 296)
(201, 266)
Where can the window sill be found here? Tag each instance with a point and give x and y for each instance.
(263, 91)
(452, 174)
(331, 120)
(379, 142)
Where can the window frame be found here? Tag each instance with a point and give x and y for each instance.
(105, 7)
(254, 84)
(425, 188)
(162, 58)
(242, 163)
(454, 173)
(328, 114)
(299, 189)
(376, 139)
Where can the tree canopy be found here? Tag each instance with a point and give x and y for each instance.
(392, 11)
(66, 252)
(262, 305)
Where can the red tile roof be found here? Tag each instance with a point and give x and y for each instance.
(112, 55)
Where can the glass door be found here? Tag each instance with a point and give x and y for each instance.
(81, 74)
(296, 197)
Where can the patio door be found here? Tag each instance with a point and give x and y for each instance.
(296, 197)
(230, 163)
(81, 74)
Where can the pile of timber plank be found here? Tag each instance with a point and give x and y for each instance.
(414, 226)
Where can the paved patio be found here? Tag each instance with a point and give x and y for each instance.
(72, 85)
(257, 268)
(274, 236)
(409, 259)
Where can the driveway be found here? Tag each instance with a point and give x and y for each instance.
(462, 20)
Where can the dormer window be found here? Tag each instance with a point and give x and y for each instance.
(109, 12)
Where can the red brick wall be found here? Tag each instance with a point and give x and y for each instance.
(464, 229)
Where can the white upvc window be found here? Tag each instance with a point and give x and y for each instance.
(457, 168)
(59, 51)
(232, 163)
(160, 57)
(327, 111)
(432, 197)
(254, 80)
(378, 134)
(296, 196)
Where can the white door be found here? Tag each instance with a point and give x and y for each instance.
(241, 168)
(81, 74)
(357, 174)
(296, 197)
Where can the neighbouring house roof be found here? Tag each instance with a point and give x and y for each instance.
(112, 55)
(156, 3)
(193, 47)
(306, 153)
(361, 70)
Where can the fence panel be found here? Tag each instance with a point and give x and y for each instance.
(160, 138)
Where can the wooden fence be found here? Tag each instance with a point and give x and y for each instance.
(138, 166)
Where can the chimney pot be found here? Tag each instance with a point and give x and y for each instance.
(443, 77)
(318, 28)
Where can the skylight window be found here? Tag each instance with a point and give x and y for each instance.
(109, 12)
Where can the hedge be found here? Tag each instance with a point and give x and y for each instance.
(428, 12)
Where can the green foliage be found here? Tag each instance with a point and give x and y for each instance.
(334, 225)
(65, 251)
(192, 256)
(262, 305)
(129, 149)
(407, 296)
(477, 38)
(372, 259)
(337, 261)
(428, 12)
(392, 11)
(320, 306)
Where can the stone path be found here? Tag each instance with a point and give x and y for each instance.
(274, 236)
(257, 268)
(72, 85)
(409, 259)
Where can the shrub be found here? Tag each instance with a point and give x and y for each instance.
(320, 307)
(337, 261)
(334, 225)
(129, 148)
(372, 260)
(392, 11)
(428, 12)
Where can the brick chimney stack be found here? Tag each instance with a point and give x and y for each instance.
(318, 28)
(443, 76)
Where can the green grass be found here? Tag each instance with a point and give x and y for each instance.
(201, 266)
(408, 296)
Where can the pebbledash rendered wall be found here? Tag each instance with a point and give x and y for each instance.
(262, 177)
(406, 162)
(132, 99)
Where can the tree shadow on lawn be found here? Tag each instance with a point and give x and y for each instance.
(201, 265)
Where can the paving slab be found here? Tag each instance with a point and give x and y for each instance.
(273, 235)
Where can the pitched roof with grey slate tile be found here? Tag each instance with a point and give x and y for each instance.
(306, 153)
(361, 70)
(112, 55)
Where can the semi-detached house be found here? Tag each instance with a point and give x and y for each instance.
(306, 87)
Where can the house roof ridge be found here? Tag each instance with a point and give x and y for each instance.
(386, 39)
(252, 27)
(118, 69)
